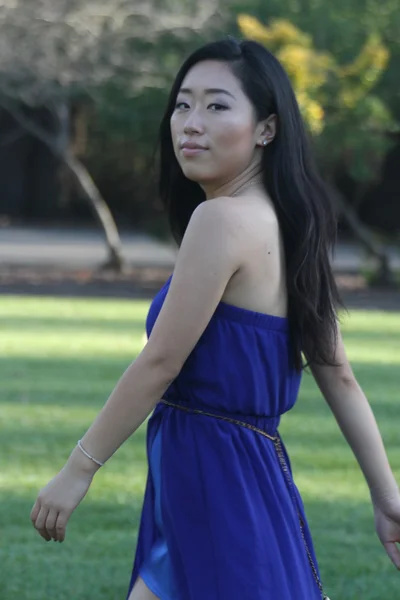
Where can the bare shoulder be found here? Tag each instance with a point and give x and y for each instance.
(208, 257)
(241, 217)
(212, 234)
(222, 212)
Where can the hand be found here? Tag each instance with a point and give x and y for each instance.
(387, 524)
(57, 500)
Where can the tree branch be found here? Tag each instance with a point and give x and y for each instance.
(28, 124)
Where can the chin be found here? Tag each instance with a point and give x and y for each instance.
(198, 175)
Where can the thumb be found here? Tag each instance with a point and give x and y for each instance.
(393, 553)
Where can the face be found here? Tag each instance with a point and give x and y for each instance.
(215, 120)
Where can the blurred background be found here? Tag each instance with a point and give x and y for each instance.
(83, 87)
(84, 245)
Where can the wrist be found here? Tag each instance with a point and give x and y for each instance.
(80, 463)
(384, 498)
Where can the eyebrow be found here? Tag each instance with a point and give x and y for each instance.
(208, 91)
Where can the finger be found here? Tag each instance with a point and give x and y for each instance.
(50, 524)
(34, 512)
(393, 553)
(60, 526)
(40, 523)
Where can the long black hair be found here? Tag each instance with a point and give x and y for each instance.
(301, 200)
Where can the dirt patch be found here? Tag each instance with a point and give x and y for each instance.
(144, 282)
(132, 283)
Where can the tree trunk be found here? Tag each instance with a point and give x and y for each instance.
(58, 142)
(62, 146)
(100, 209)
(384, 275)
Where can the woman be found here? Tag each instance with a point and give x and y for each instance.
(252, 292)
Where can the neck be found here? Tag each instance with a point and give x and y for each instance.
(251, 177)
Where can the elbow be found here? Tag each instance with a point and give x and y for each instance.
(344, 375)
(168, 369)
(164, 366)
(161, 359)
(348, 380)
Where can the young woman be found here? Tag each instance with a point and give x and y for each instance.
(252, 292)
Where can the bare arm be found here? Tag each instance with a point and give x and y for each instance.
(208, 257)
(357, 422)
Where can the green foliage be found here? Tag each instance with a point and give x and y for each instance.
(355, 139)
(339, 27)
(121, 113)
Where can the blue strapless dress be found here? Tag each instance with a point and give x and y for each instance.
(219, 520)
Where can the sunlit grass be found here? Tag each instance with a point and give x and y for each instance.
(59, 360)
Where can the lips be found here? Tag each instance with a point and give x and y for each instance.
(192, 149)
(193, 146)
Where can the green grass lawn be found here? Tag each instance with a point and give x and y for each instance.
(59, 360)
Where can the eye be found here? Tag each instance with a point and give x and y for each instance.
(217, 107)
(181, 105)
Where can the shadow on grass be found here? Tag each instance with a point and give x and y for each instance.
(372, 335)
(135, 325)
(60, 381)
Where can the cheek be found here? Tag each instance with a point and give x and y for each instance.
(235, 136)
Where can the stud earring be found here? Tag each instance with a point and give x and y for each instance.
(265, 142)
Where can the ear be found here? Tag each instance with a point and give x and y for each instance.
(266, 130)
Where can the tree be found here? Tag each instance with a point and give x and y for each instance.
(341, 28)
(53, 53)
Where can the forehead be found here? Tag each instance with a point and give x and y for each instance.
(212, 74)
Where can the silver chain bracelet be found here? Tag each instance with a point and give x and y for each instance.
(88, 455)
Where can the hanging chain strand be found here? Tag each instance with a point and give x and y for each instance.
(289, 483)
(278, 447)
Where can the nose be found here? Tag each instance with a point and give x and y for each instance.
(193, 123)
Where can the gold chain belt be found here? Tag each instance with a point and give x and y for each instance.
(278, 446)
